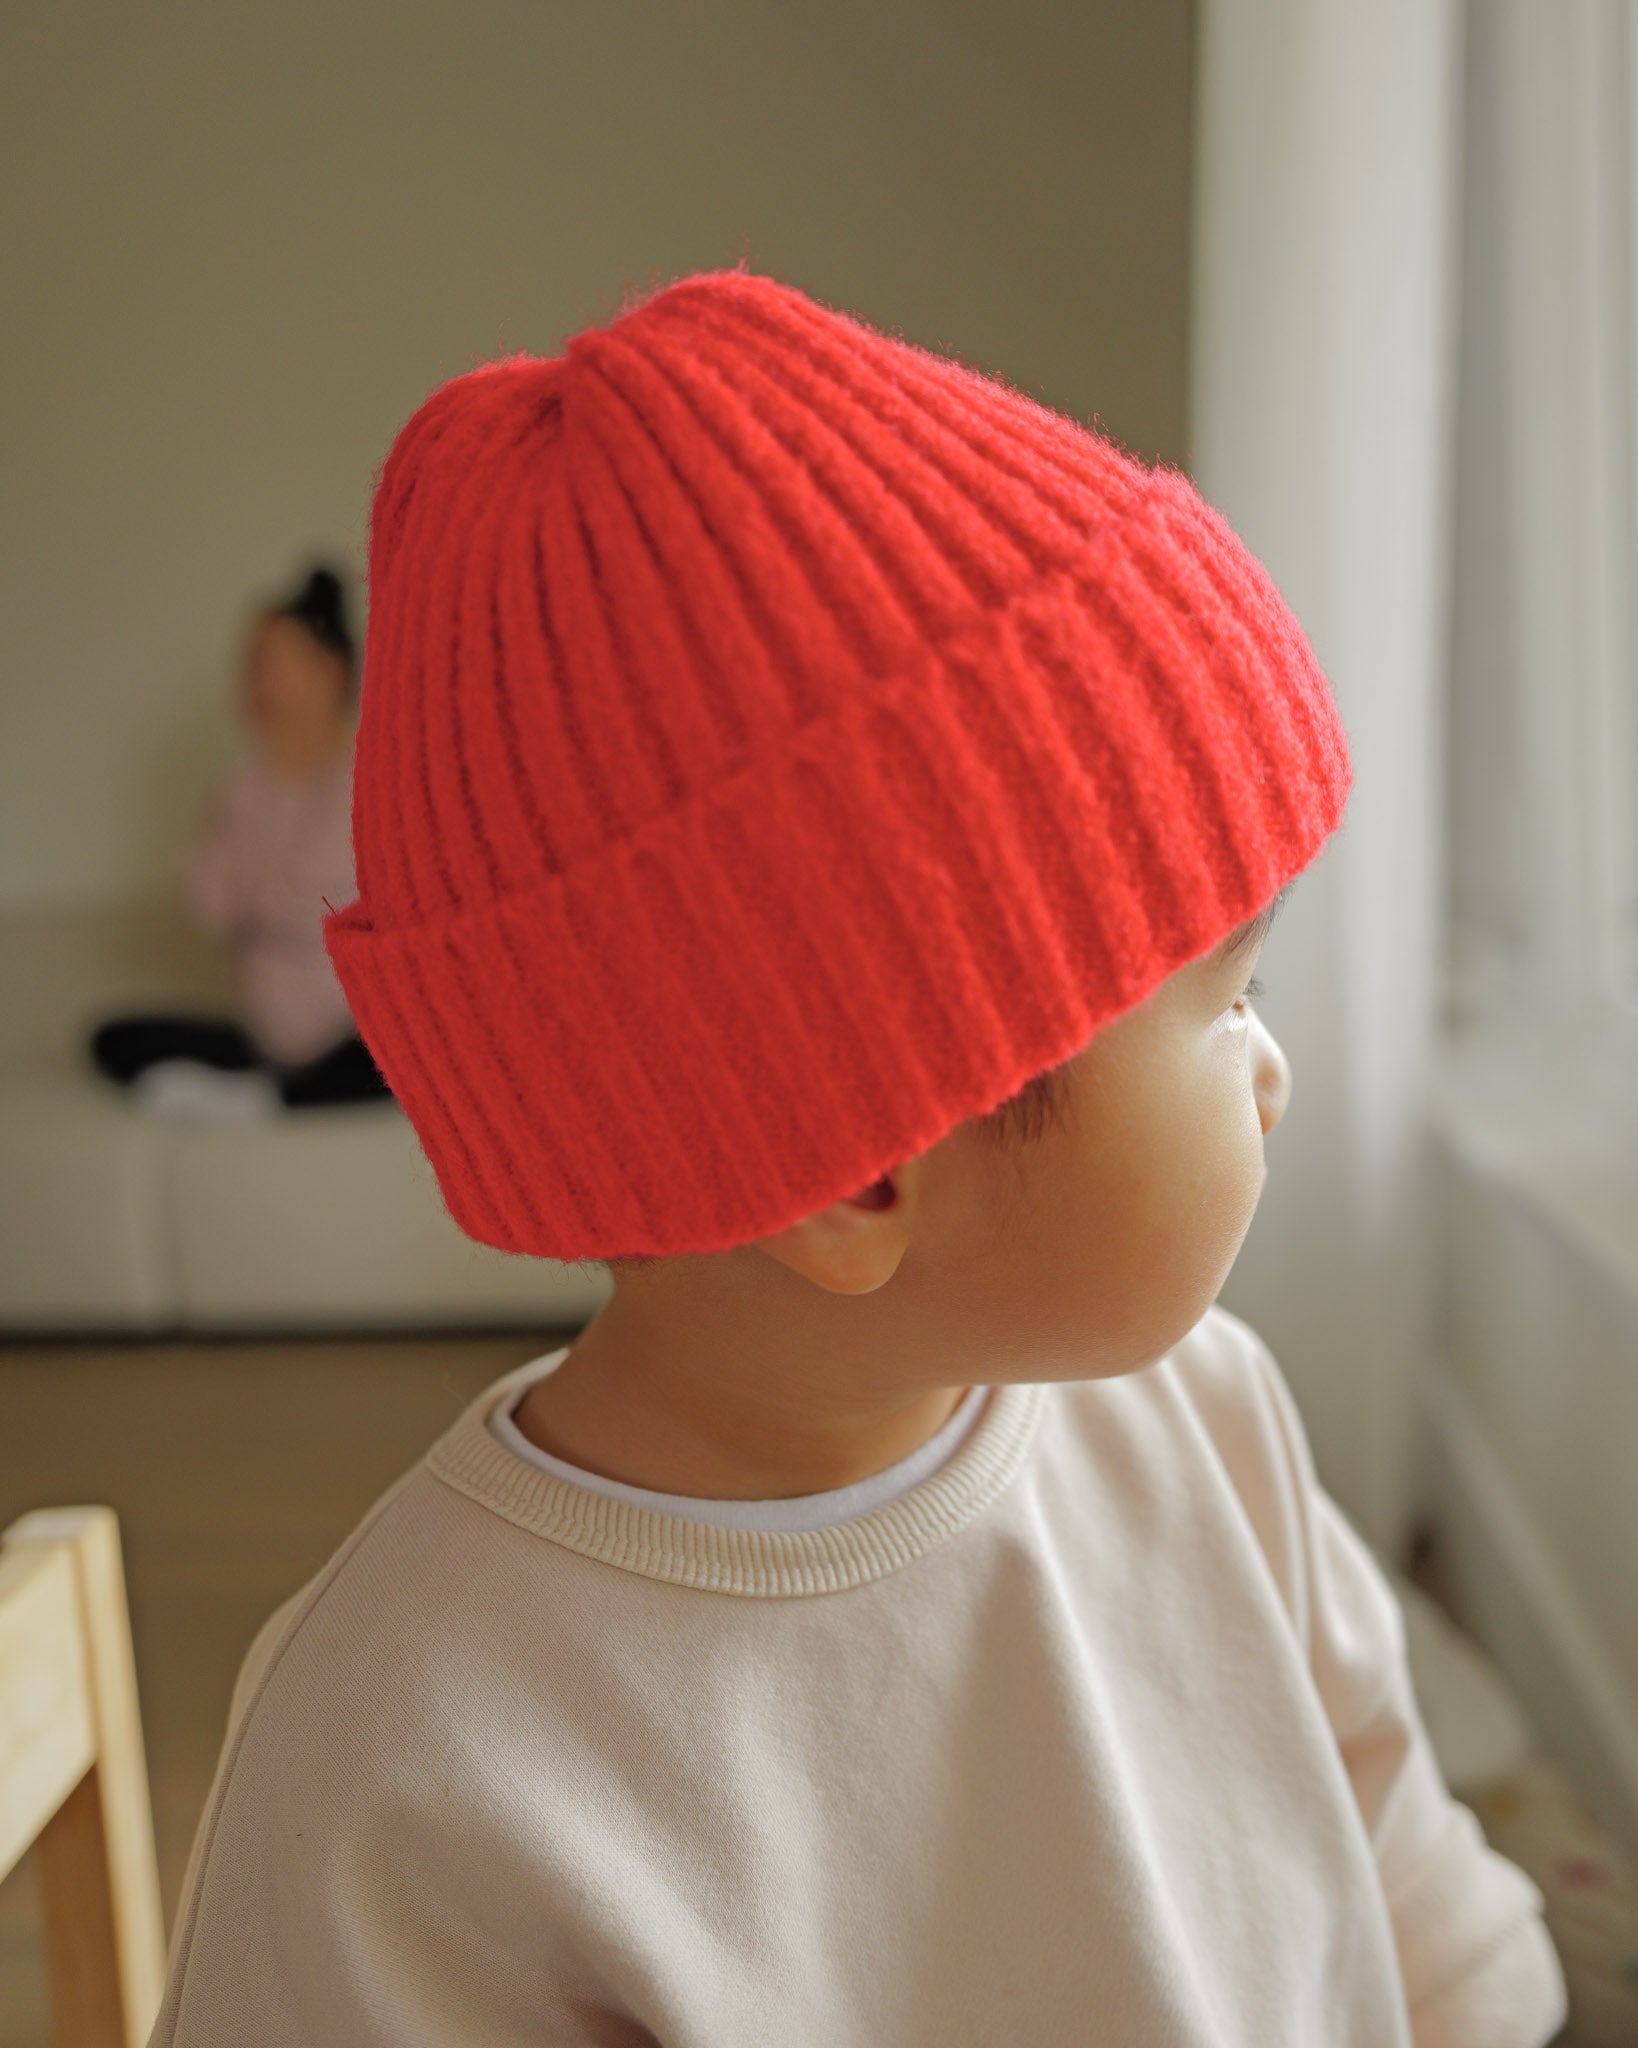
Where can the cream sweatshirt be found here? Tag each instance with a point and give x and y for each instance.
(1100, 1732)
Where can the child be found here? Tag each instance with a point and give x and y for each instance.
(816, 814)
(276, 842)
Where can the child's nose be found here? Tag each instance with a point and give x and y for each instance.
(1271, 1075)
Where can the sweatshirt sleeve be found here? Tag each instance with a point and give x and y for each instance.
(1479, 1967)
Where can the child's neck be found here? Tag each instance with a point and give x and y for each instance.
(712, 1433)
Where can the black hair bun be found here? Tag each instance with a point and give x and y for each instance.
(321, 606)
(321, 594)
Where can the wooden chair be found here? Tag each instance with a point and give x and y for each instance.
(73, 1782)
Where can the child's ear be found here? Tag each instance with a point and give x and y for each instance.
(856, 1244)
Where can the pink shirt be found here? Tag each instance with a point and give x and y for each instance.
(276, 846)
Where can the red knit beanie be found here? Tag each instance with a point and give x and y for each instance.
(778, 743)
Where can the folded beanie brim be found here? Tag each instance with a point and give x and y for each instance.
(796, 978)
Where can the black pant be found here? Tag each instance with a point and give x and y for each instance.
(125, 1045)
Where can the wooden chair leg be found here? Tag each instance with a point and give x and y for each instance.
(95, 1861)
(72, 1865)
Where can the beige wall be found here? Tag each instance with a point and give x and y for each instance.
(244, 243)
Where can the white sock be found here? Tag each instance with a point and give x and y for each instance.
(192, 1090)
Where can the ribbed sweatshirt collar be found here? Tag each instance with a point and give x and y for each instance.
(754, 1562)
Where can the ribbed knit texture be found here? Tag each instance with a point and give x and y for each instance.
(778, 743)
(753, 1562)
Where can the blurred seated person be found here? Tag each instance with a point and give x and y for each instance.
(277, 842)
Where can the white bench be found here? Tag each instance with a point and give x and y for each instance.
(114, 1219)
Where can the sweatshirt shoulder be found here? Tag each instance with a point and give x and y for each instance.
(1221, 1362)
(423, 1566)
(1230, 1385)
(379, 1590)
(283, 1635)
(1217, 1373)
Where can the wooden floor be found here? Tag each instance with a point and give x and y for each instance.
(235, 1470)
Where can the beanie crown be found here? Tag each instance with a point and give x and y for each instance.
(778, 742)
